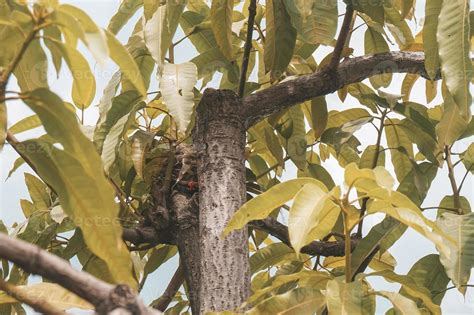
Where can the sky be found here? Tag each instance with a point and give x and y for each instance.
(409, 249)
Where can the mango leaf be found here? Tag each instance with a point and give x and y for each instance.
(177, 84)
(32, 71)
(468, 158)
(25, 124)
(38, 192)
(221, 25)
(452, 124)
(348, 298)
(158, 31)
(430, 43)
(296, 144)
(374, 9)
(402, 304)
(315, 21)
(460, 261)
(428, 272)
(312, 216)
(51, 292)
(300, 301)
(76, 174)
(402, 148)
(410, 287)
(374, 43)
(261, 206)
(454, 52)
(124, 13)
(3, 124)
(120, 55)
(269, 256)
(84, 86)
(319, 116)
(280, 39)
(398, 27)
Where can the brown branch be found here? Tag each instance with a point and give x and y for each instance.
(247, 47)
(105, 297)
(452, 180)
(280, 231)
(342, 39)
(176, 281)
(39, 305)
(283, 95)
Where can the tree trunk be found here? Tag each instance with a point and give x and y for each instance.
(219, 140)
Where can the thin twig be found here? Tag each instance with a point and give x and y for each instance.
(247, 47)
(175, 283)
(452, 179)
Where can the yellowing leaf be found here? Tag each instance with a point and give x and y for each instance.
(261, 206)
(177, 84)
(312, 216)
(402, 304)
(452, 124)
(348, 298)
(460, 261)
(430, 44)
(51, 292)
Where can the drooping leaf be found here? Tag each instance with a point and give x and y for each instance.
(269, 256)
(454, 52)
(452, 124)
(296, 144)
(401, 151)
(124, 13)
(374, 43)
(402, 304)
(261, 206)
(221, 25)
(280, 38)
(430, 43)
(460, 260)
(76, 174)
(177, 84)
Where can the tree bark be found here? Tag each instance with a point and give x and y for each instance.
(219, 140)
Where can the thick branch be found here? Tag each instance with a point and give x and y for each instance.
(105, 297)
(280, 231)
(273, 99)
(342, 39)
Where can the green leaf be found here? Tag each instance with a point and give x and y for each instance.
(300, 301)
(348, 298)
(402, 304)
(32, 71)
(454, 52)
(84, 86)
(398, 27)
(430, 43)
(319, 116)
(315, 21)
(127, 64)
(296, 144)
(125, 12)
(261, 206)
(26, 124)
(374, 43)
(269, 256)
(401, 152)
(76, 174)
(3, 124)
(158, 257)
(280, 39)
(177, 85)
(468, 158)
(412, 288)
(38, 192)
(452, 124)
(460, 260)
(428, 272)
(51, 292)
(221, 25)
(312, 216)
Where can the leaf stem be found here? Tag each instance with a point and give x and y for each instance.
(452, 179)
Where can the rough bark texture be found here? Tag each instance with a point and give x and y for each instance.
(278, 97)
(219, 140)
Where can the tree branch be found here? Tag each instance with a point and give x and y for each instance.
(38, 305)
(105, 297)
(452, 180)
(176, 281)
(342, 39)
(247, 47)
(280, 231)
(278, 97)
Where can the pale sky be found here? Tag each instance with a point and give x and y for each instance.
(407, 251)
